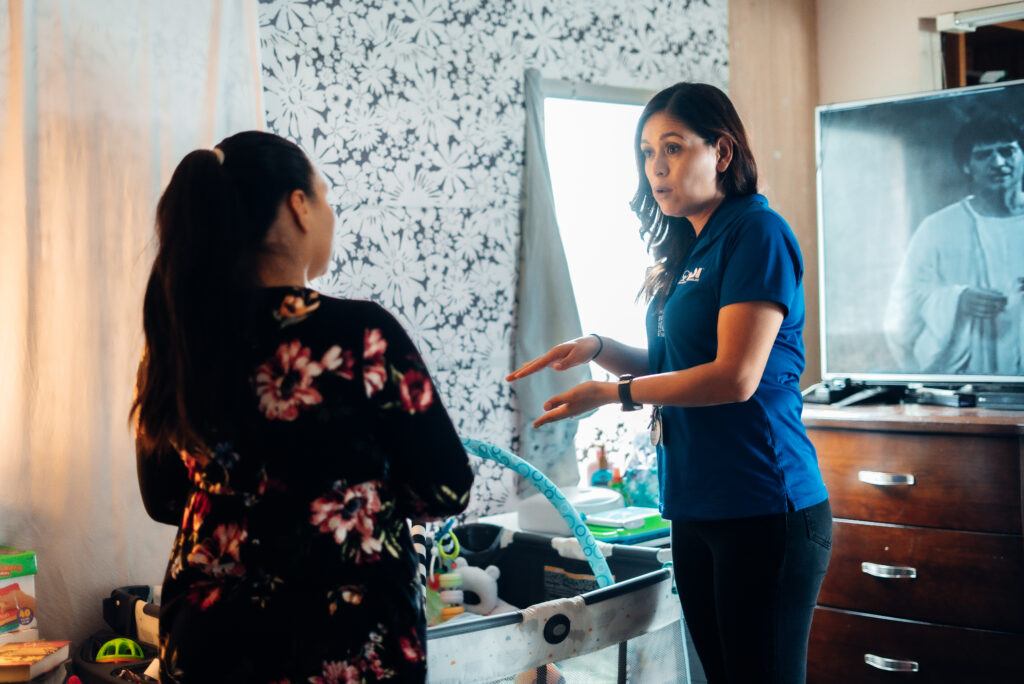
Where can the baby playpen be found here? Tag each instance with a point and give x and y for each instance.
(596, 612)
(585, 612)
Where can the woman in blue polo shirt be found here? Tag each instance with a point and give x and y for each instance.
(752, 528)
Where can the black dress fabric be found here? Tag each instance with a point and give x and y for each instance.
(293, 560)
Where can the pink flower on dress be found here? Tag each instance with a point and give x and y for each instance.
(338, 673)
(218, 555)
(371, 652)
(284, 383)
(416, 391)
(195, 512)
(204, 594)
(376, 666)
(341, 363)
(411, 649)
(375, 373)
(350, 510)
(374, 344)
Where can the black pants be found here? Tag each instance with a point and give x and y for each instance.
(748, 588)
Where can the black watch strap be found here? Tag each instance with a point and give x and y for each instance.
(625, 382)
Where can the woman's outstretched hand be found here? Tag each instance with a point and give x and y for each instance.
(581, 398)
(561, 357)
(584, 397)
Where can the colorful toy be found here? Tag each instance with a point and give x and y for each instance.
(479, 587)
(447, 545)
(442, 591)
(444, 597)
(120, 650)
(449, 593)
(432, 601)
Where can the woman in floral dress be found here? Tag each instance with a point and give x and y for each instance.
(287, 434)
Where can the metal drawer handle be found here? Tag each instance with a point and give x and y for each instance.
(884, 479)
(890, 665)
(888, 571)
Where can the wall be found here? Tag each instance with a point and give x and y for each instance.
(414, 110)
(872, 48)
(773, 82)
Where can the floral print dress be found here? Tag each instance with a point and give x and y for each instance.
(293, 560)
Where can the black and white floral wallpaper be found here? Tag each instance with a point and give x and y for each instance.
(414, 111)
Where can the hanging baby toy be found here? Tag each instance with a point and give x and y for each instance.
(441, 585)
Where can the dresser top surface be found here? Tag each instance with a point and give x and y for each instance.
(915, 418)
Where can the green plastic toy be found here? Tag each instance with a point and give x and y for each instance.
(120, 650)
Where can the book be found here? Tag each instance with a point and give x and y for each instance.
(22, 661)
(19, 635)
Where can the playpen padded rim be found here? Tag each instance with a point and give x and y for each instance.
(590, 598)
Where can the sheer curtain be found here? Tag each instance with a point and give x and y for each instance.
(98, 102)
(547, 312)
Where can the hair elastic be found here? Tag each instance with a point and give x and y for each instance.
(219, 153)
(600, 346)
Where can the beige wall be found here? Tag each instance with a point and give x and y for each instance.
(773, 81)
(872, 48)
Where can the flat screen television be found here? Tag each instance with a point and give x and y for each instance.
(921, 238)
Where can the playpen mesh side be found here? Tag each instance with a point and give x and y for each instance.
(657, 657)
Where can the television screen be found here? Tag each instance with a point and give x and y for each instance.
(921, 237)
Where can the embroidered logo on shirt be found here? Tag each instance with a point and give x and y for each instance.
(691, 276)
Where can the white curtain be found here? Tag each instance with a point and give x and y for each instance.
(546, 307)
(98, 102)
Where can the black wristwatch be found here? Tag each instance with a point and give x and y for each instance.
(624, 394)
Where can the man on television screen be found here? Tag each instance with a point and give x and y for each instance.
(955, 306)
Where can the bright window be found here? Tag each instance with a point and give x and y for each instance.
(594, 176)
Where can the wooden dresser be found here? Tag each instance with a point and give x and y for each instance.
(926, 581)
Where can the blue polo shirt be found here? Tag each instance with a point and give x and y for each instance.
(753, 457)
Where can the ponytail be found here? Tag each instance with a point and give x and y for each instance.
(211, 223)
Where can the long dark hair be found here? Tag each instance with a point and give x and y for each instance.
(709, 113)
(211, 222)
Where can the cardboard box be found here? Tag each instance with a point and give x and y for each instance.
(17, 591)
(19, 636)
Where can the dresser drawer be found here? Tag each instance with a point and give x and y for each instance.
(840, 640)
(960, 481)
(961, 578)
